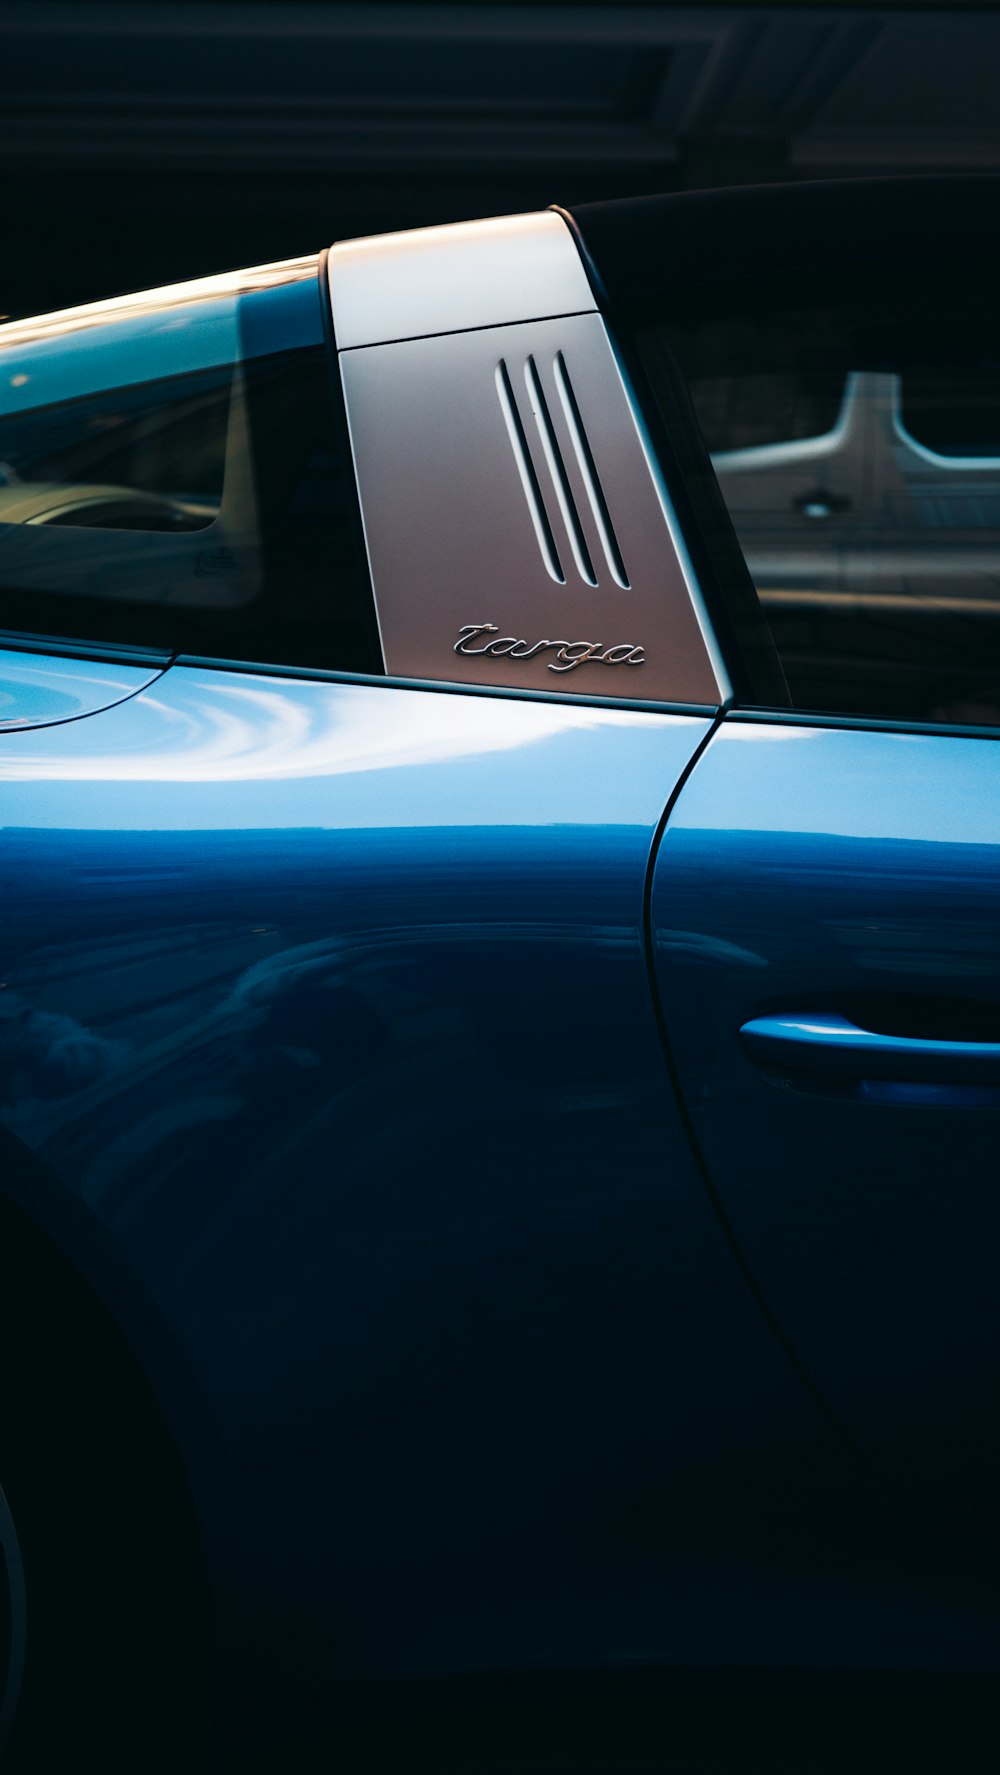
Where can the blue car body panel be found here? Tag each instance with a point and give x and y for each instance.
(334, 1019)
(40, 690)
(268, 945)
(819, 877)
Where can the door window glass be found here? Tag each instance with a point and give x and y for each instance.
(857, 449)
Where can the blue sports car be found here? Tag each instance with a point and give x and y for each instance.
(500, 991)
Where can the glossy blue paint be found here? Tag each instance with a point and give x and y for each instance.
(37, 689)
(857, 874)
(328, 1004)
(824, 1042)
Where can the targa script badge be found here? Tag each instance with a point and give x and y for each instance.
(569, 654)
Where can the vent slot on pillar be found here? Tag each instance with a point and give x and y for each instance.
(588, 471)
(526, 470)
(550, 452)
(557, 471)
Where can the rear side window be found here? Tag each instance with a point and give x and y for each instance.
(858, 454)
(771, 407)
(173, 474)
(954, 411)
(834, 353)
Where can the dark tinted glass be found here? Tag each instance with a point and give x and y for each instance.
(173, 474)
(149, 457)
(872, 538)
(832, 353)
(954, 411)
(739, 412)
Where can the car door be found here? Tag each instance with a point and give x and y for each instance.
(825, 915)
(825, 906)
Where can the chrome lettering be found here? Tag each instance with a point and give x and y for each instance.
(575, 653)
(569, 654)
(529, 652)
(468, 631)
(623, 654)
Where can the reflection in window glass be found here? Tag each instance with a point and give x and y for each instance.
(740, 412)
(172, 474)
(954, 412)
(146, 457)
(873, 540)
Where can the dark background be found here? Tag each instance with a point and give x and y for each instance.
(143, 143)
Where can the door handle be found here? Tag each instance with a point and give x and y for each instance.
(825, 1042)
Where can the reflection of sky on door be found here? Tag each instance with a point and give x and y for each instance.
(36, 690)
(845, 782)
(217, 750)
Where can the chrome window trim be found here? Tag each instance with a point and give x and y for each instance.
(455, 278)
(446, 686)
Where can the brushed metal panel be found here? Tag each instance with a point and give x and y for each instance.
(468, 274)
(490, 497)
